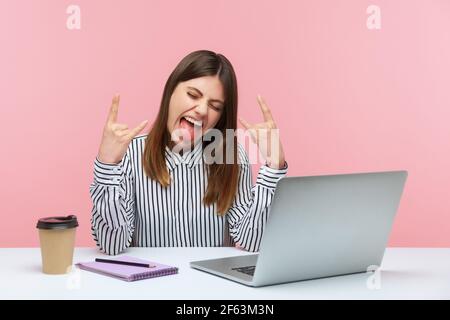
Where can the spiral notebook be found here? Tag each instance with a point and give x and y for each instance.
(128, 273)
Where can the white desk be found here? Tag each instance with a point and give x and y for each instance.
(405, 274)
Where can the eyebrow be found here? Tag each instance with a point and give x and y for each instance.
(200, 93)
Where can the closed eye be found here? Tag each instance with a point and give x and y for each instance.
(215, 108)
(192, 96)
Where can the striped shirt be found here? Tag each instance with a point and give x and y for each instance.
(131, 209)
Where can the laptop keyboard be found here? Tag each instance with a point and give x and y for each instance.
(250, 270)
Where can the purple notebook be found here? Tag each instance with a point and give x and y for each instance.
(128, 273)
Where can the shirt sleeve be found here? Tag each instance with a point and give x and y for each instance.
(113, 212)
(248, 214)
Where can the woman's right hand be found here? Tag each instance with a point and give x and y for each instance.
(116, 136)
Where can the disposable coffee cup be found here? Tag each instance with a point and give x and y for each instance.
(57, 238)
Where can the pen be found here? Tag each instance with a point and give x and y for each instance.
(134, 264)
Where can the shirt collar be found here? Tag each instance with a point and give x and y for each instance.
(190, 158)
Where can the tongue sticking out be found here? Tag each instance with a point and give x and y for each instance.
(189, 127)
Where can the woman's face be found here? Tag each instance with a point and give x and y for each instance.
(195, 107)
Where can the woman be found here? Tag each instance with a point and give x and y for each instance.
(146, 194)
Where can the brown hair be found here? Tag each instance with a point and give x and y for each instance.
(222, 178)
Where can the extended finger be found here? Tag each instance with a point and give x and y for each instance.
(138, 129)
(114, 110)
(245, 123)
(267, 114)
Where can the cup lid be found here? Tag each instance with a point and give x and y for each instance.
(58, 222)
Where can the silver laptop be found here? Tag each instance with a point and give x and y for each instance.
(319, 226)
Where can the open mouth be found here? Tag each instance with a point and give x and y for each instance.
(192, 128)
(192, 121)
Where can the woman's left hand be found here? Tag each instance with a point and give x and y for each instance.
(267, 137)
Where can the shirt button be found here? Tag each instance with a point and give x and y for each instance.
(116, 170)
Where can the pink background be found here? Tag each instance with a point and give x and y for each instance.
(347, 99)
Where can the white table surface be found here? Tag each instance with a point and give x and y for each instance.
(406, 273)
